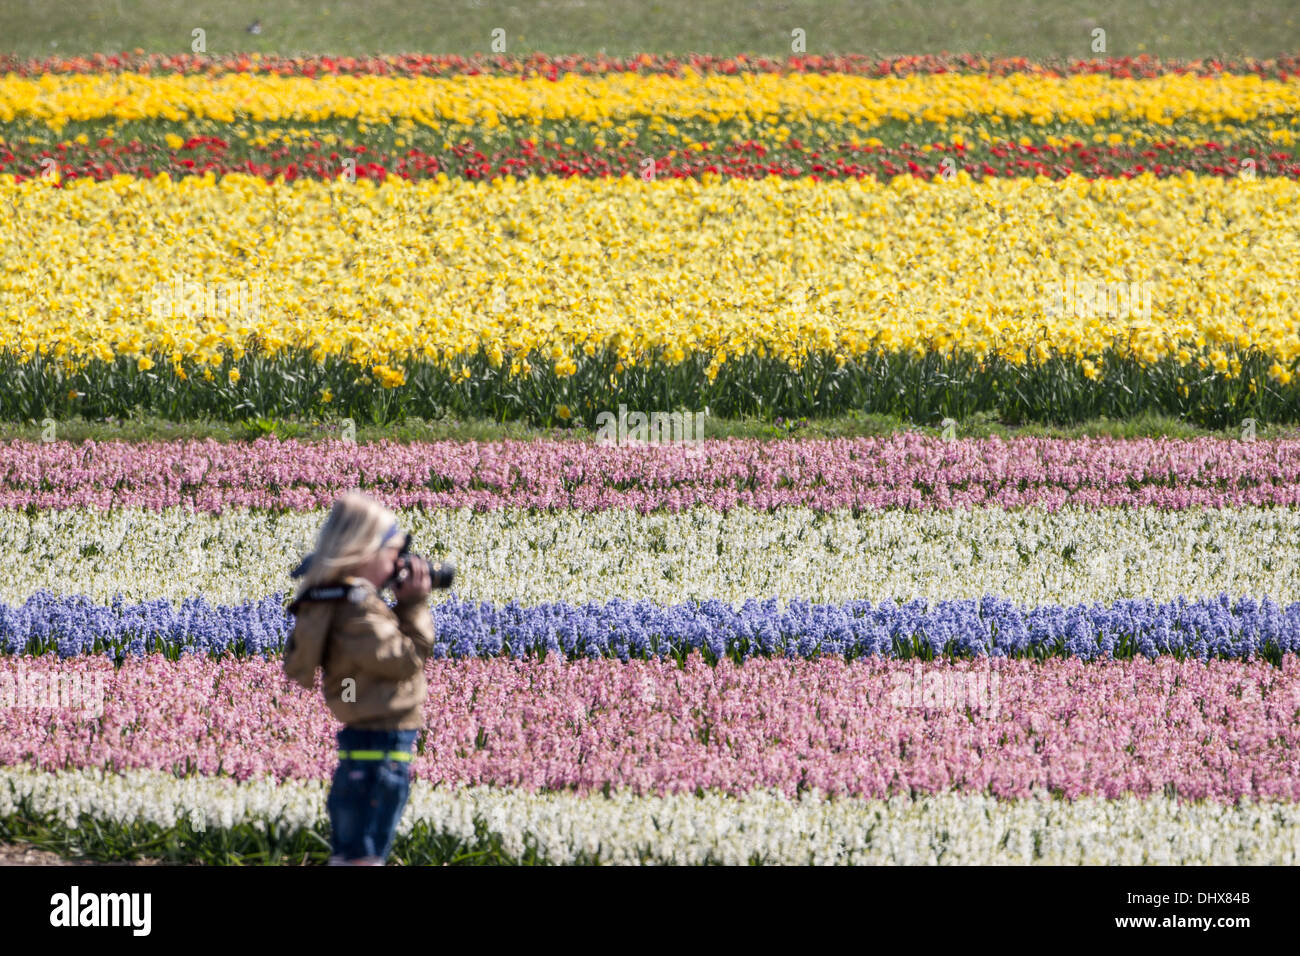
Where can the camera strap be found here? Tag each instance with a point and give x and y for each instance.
(330, 592)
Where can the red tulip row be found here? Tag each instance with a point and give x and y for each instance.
(106, 157)
(539, 64)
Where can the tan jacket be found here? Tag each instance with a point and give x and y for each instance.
(380, 650)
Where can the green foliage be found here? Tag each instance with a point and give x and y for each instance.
(1190, 28)
(896, 386)
(246, 845)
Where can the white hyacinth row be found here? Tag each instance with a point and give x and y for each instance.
(686, 829)
(1032, 556)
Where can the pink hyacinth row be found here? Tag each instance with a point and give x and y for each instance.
(904, 470)
(1222, 730)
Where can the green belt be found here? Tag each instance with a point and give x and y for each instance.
(374, 755)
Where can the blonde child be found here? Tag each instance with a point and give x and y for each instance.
(373, 660)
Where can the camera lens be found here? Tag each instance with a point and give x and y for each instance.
(442, 574)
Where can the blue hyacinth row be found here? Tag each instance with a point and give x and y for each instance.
(1201, 628)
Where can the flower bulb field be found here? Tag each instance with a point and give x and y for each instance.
(663, 646)
(761, 652)
(546, 238)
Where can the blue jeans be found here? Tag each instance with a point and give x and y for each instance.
(368, 796)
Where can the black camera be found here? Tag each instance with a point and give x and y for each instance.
(441, 575)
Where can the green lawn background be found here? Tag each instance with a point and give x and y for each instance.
(1054, 28)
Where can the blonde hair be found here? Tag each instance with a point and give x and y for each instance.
(350, 536)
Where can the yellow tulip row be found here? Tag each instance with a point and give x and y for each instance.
(488, 101)
(197, 269)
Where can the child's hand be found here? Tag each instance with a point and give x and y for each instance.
(417, 585)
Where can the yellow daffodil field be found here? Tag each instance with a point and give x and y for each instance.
(928, 239)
